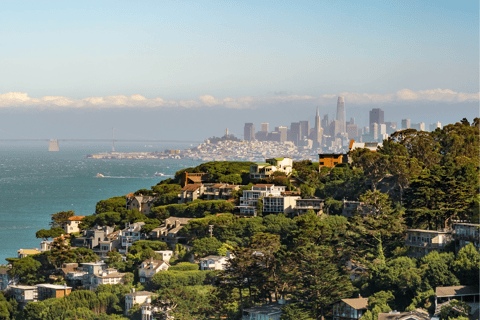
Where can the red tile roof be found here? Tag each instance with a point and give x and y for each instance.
(76, 218)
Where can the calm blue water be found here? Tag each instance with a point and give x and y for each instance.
(35, 183)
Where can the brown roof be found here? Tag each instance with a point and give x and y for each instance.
(357, 303)
(140, 293)
(192, 187)
(263, 185)
(455, 290)
(418, 314)
(76, 218)
(4, 271)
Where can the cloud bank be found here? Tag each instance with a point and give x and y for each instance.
(22, 100)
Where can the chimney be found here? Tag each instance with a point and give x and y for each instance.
(133, 290)
(359, 295)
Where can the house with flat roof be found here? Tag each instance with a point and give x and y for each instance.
(47, 291)
(262, 170)
(303, 205)
(330, 160)
(464, 233)
(421, 242)
(24, 294)
(22, 253)
(279, 204)
(248, 203)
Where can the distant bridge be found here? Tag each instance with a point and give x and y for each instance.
(53, 143)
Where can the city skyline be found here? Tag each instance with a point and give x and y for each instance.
(143, 65)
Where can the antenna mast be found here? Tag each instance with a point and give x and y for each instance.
(113, 141)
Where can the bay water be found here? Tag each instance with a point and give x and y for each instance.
(35, 183)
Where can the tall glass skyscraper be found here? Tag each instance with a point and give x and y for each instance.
(341, 116)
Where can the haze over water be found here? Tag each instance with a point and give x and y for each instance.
(35, 183)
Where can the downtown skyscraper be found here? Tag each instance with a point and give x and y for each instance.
(317, 135)
(341, 116)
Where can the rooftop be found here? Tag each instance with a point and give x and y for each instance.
(456, 291)
(76, 218)
(357, 303)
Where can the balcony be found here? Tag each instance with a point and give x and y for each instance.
(426, 245)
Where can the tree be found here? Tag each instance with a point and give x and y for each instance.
(49, 233)
(466, 265)
(27, 271)
(320, 280)
(454, 309)
(59, 218)
(438, 272)
(205, 246)
(306, 191)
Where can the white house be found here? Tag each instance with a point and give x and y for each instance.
(166, 254)
(215, 262)
(266, 169)
(134, 298)
(248, 203)
(149, 268)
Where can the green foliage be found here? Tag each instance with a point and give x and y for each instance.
(61, 217)
(27, 270)
(297, 311)
(184, 266)
(438, 272)
(115, 204)
(206, 246)
(231, 179)
(49, 233)
(219, 169)
(174, 279)
(466, 265)
(191, 302)
(194, 209)
(118, 219)
(454, 309)
(80, 304)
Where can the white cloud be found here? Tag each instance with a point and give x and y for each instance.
(22, 100)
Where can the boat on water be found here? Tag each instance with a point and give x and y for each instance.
(158, 174)
(99, 175)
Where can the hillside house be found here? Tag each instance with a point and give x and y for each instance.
(248, 203)
(214, 262)
(22, 253)
(149, 268)
(47, 291)
(279, 204)
(134, 298)
(267, 168)
(417, 314)
(168, 230)
(91, 238)
(191, 192)
(24, 294)
(72, 223)
(166, 254)
(349, 309)
(129, 235)
(467, 294)
(330, 160)
(421, 242)
(140, 203)
(303, 205)
(464, 233)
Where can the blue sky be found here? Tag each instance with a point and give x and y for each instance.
(183, 50)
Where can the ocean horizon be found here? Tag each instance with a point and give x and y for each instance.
(35, 183)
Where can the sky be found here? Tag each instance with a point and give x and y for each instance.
(189, 69)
